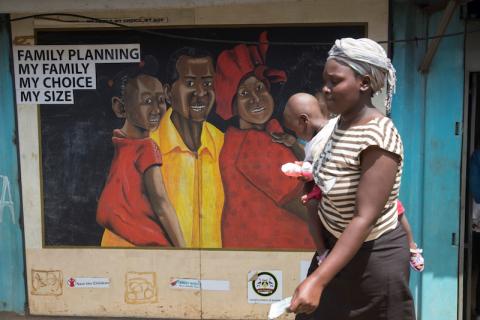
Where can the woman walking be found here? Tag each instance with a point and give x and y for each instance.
(366, 274)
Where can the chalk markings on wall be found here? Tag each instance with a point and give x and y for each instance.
(47, 282)
(6, 201)
(140, 287)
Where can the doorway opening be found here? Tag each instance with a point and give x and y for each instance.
(471, 267)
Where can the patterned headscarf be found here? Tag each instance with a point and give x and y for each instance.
(366, 57)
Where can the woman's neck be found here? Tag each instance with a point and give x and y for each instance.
(357, 116)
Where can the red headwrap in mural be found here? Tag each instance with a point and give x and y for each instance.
(233, 65)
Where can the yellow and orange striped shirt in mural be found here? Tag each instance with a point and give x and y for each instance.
(193, 182)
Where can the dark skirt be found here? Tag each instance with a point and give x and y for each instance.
(372, 286)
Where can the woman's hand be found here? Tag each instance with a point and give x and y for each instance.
(306, 297)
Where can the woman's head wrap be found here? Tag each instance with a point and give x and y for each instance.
(366, 57)
(234, 65)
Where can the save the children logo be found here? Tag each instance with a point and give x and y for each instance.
(71, 282)
(88, 282)
(265, 285)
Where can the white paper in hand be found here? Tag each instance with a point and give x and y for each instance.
(278, 308)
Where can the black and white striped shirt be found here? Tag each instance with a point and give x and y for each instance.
(337, 172)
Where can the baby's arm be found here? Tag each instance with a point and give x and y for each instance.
(157, 194)
(315, 193)
(406, 226)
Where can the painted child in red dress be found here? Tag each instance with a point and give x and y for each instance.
(134, 207)
(257, 194)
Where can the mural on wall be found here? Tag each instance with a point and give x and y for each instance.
(256, 191)
(134, 207)
(191, 161)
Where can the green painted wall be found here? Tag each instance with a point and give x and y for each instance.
(426, 108)
(12, 282)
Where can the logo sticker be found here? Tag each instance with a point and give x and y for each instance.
(264, 286)
(88, 282)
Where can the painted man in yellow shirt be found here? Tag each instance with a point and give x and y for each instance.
(190, 149)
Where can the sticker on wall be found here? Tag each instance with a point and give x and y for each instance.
(196, 284)
(265, 287)
(179, 283)
(47, 282)
(140, 287)
(88, 282)
(215, 285)
(304, 266)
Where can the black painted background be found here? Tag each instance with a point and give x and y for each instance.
(76, 139)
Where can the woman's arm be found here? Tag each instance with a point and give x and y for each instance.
(378, 171)
(157, 194)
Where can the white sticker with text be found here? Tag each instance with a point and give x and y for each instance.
(87, 282)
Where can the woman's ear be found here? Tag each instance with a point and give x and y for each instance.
(118, 107)
(366, 83)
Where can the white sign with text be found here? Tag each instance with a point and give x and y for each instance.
(88, 282)
(48, 74)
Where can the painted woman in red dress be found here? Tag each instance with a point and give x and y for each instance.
(257, 194)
